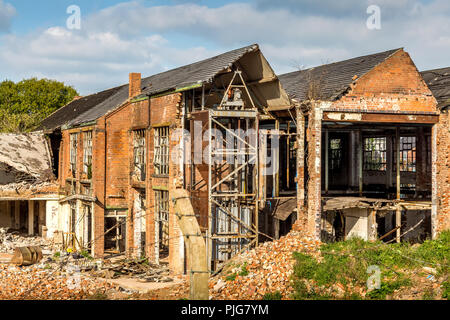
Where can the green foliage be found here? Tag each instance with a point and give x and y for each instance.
(446, 290)
(86, 254)
(25, 104)
(244, 271)
(231, 277)
(347, 263)
(273, 296)
(387, 288)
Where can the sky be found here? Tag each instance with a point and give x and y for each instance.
(118, 37)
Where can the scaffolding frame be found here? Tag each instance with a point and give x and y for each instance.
(233, 177)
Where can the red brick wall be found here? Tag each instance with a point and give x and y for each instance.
(165, 111)
(442, 218)
(394, 85)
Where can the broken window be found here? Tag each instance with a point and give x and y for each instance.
(336, 154)
(73, 152)
(407, 154)
(161, 159)
(87, 154)
(139, 154)
(162, 214)
(375, 154)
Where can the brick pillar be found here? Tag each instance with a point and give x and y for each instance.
(98, 182)
(314, 202)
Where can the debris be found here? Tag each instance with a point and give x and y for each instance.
(268, 269)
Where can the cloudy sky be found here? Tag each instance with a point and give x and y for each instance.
(118, 37)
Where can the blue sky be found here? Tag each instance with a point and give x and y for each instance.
(118, 37)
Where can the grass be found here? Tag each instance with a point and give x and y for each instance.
(273, 296)
(346, 263)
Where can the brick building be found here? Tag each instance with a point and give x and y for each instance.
(353, 148)
(373, 135)
(118, 161)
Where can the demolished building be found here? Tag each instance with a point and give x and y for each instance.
(28, 191)
(373, 134)
(345, 149)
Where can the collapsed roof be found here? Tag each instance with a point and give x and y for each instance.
(92, 107)
(333, 79)
(438, 80)
(24, 158)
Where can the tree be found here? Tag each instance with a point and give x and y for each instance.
(25, 104)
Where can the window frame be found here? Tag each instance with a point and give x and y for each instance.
(161, 150)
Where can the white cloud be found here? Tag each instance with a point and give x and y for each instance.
(130, 37)
(7, 12)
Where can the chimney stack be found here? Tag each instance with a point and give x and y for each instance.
(134, 88)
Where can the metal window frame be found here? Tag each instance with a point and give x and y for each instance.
(73, 151)
(378, 156)
(87, 151)
(161, 150)
(139, 153)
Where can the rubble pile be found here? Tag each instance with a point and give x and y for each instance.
(141, 270)
(263, 270)
(36, 283)
(10, 240)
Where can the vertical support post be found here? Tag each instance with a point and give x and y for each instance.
(30, 217)
(258, 185)
(17, 214)
(209, 248)
(434, 186)
(41, 217)
(203, 96)
(9, 213)
(398, 212)
(327, 164)
(300, 159)
(276, 161)
(360, 162)
(288, 146)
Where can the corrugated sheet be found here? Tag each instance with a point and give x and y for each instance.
(95, 106)
(330, 80)
(438, 80)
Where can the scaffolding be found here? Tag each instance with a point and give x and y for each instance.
(231, 132)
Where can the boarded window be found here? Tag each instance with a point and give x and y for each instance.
(139, 154)
(73, 152)
(375, 154)
(161, 159)
(87, 153)
(162, 214)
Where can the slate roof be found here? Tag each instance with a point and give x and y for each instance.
(332, 79)
(92, 107)
(438, 80)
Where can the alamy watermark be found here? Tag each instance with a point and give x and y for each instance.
(374, 20)
(73, 22)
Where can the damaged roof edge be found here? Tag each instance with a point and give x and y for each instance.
(178, 79)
